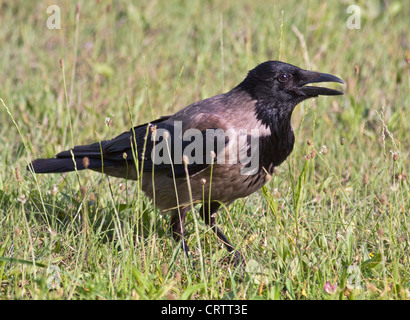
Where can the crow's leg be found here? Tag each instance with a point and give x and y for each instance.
(178, 217)
(208, 212)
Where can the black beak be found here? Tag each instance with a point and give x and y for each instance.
(307, 77)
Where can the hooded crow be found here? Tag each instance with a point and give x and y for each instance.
(212, 152)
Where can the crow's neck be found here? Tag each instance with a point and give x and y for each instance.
(277, 146)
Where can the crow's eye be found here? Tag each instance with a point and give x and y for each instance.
(284, 77)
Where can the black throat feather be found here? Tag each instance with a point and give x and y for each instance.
(275, 148)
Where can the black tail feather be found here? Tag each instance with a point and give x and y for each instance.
(56, 165)
(91, 151)
(64, 161)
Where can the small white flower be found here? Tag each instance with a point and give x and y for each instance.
(54, 190)
(22, 199)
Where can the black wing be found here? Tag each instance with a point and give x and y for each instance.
(157, 145)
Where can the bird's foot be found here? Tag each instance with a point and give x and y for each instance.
(234, 258)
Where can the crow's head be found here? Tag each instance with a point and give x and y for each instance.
(282, 86)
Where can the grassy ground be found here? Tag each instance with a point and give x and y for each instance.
(331, 224)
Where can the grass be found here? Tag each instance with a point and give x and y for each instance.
(331, 224)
